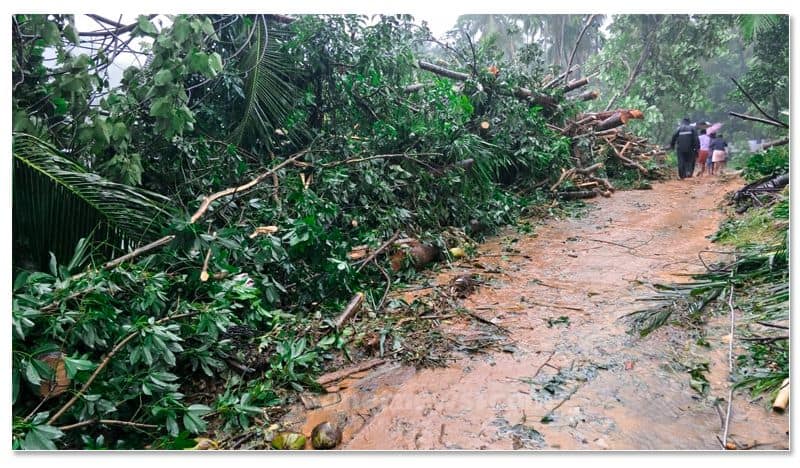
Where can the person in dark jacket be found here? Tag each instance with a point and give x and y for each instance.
(686, 145)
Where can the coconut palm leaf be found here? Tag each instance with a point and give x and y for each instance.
(269, 94)
(56, 202)
(752, 25)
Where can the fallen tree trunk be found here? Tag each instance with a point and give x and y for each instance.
(619, 118)
(575, 84)
(586, 96)
(766, 184)
(442, 71)
(577, 194)
(521, 92)
(537, 98)
(421, 254)
(770, 144)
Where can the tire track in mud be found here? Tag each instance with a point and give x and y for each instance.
(575, 378)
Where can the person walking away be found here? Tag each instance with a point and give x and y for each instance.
(686, 145)
(718, 152)
(702, 155)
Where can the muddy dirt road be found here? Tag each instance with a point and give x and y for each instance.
(570, 376)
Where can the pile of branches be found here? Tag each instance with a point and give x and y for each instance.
(754, 193)
(601, 130)
(602, 133)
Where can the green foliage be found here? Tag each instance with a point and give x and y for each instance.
(57, 202)
(221, 98)
(770, 162)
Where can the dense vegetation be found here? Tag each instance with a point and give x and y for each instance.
(230, 309)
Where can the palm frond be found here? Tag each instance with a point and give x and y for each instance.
(269, 93)
(752, 25)
(56, 202)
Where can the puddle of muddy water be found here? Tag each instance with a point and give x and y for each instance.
(572, 377)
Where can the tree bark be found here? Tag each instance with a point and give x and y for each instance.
(575, 84)
(774, 123)
(586, 96)
(770, 144)
(637, 69)
(619, 118)
(442, 71)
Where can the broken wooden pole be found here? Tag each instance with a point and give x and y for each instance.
(352, 307)
(782, 400)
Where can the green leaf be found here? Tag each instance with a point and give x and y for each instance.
(102, 131)
(74, 365)
(163, 77)
(199, 409)
(193, 423)
(120, 131)
(181, 29)
(50, 33)
(146, 26)
(71, 34)
(172, 426)
(207, 26)
(41, 438)
(214, 63)
(161, 107)
(199, 63)
(61, 105)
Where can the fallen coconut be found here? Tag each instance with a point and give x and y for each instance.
(457, 252)
(325, 436)
(289, 441)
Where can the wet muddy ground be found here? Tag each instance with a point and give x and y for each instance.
(569, 376)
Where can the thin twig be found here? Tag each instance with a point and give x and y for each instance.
(379, 156)
(730, 365)
(113, 422)
(388, 284)
(564, 400)
(377, 252)
(772, 325)
(553, 353)
(234, 190)
(773, 119)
